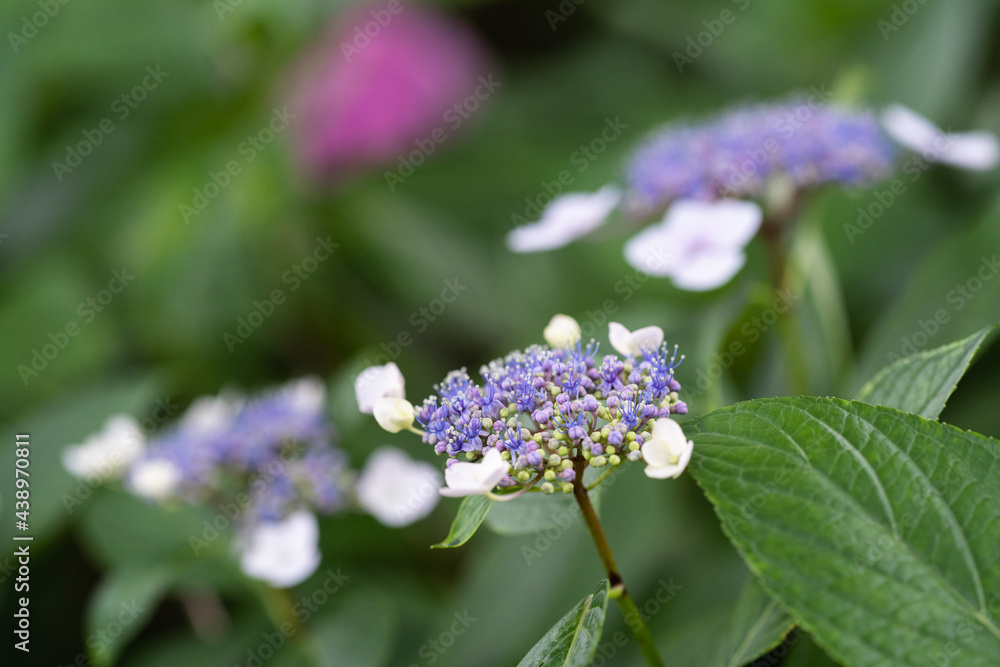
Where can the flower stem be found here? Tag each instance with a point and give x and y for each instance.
(633, 619)
(775, 240)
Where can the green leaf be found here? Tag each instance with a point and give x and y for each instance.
(572, 642)
(122, 605)
(471, 513)
(536, 512)
(758, 624)
(876, 529)
(922, 383)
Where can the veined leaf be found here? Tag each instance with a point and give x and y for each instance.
(922, 383)
(878, 530)
(572, 641)
(471, 513)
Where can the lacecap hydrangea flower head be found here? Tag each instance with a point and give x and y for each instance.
(540, 417)
(719, 182)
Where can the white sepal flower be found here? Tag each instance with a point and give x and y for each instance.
(107, 453)
(155, 479)
(306, 395)
(474, 479)
(562, 331)
(208, 415)
(632, 343)
(393, 414)
(668, 451)
(977, 151)
(377, 382)
(282, 553)
(397, 490)
(565, 219)
(698, 244)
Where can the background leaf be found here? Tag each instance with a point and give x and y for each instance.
(876, 529)
(921, 383)
(759, 624)
(124, 602)
(572, 641)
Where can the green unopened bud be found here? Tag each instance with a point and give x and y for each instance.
(505, 454)
(550, 475)
(586, 454)
(512, 422)
(566, 464)
(630, 436)
(596, 436)
(610, 449)
(614, 459)
(548, 488)
(555, 460)
(599, 462)
(470, 455)
(567, 488)
(504, 412)
(523, 476)
(563, 451)
(604, 413)
(633, 446)
(487, 423)
(537, 438)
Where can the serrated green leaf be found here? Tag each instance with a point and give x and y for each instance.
(759, 624)
(122, 605)
(572, 642)
(471, 513)
(922, 383)
(876, 529)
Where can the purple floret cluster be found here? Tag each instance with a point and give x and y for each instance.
(543, 408)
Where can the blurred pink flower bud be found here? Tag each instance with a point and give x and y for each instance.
(381, 79)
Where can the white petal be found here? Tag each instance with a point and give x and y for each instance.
(564, 219)
(668, 452)
(393, 414)
(472, 479)
(107, 453)
(562, 331)
(621, 339)
(377, 382)
(977, 151)
(651, 251)
(211, 414)
(647, 338)
(708, 270)
(308, 395)
(910, 129)
(397, 490)
(727, 222)
(283, 553)
(156, 479)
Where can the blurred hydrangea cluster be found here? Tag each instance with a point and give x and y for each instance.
(276, 448)
(715, 181)
(543, 415)
(269, 465)
(738, 153)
